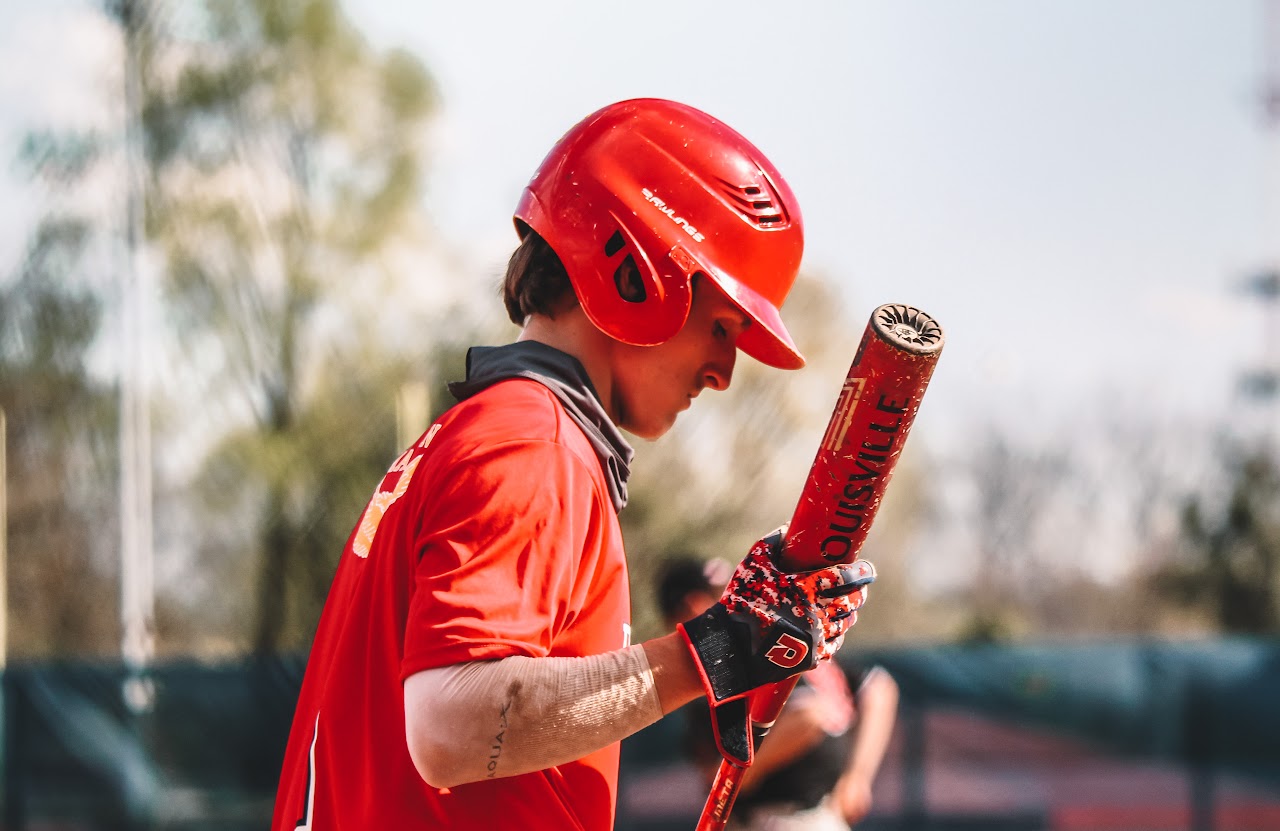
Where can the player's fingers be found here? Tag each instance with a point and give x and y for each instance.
(850, 578)
(859, 595)
(826, 583)
(838, 614)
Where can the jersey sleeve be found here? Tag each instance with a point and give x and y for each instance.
(498, 554)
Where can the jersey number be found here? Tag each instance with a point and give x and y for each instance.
(382, 500)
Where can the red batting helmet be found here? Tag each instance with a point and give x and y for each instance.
(664, 191)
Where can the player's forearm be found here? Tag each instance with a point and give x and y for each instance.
(674, 674)
(492, 719)
(878, 708)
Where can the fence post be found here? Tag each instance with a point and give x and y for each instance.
(14, 798)
(914, 802)
(1198, 722)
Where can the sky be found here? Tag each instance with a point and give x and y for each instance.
(1072, 189)
(1075, 189)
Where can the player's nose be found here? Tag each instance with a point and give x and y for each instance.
(718, 372)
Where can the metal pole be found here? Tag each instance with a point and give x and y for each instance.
(4, 614)
(915, 800)
(413, 411)
(137, 590)
(1270, 102)
(4, 551)
(1199, 726)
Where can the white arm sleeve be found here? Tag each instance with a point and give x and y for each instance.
(489, 719)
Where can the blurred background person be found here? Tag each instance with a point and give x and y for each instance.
(816, 769)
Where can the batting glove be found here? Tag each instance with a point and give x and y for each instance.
(768, 626)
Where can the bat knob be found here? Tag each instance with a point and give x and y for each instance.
(907, 328)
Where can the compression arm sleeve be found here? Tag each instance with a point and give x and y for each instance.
(490, 719)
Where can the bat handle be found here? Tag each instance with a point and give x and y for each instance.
(766, 705)
(715, 814)
(766, 702)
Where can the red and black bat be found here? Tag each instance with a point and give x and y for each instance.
(847, 481)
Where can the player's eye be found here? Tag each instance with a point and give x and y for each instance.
(729, 328)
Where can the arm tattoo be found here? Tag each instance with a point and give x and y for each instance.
(496, 748)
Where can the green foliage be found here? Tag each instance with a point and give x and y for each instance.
(284, 156)
(57, 157)
(987, 628)
(301, 490)
(60, 426)
(281, 159)
(1230, 558)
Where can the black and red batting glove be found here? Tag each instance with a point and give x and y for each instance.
(768, 626)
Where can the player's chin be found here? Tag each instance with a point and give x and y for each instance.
(652, 426)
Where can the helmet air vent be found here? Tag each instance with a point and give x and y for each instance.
(756, 202)
(626, 277)
(614, 245)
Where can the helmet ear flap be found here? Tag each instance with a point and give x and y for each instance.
(642, 308)
(626, 277)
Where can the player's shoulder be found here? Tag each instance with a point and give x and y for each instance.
(519, 407)
(517, 410)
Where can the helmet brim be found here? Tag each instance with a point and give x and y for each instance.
(766, 339)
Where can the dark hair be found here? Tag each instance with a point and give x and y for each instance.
(536, 281)
(679, 577)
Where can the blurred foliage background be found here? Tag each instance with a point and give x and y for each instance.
(278, 167)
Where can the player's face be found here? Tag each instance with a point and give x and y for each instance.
(654, 384)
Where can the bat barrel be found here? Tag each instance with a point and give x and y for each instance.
(866, 434)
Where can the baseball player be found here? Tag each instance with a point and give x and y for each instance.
(472, 668)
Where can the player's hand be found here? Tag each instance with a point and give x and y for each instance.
(853, 798)
(768, 626)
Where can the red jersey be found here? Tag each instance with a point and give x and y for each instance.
(494, 535)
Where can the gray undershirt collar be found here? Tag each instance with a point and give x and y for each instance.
(565, 376)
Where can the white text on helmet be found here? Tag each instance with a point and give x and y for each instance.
(671, 214)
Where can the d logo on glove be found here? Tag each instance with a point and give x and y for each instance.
(789, 652)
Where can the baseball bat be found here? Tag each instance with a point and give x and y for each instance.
(868, 429)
